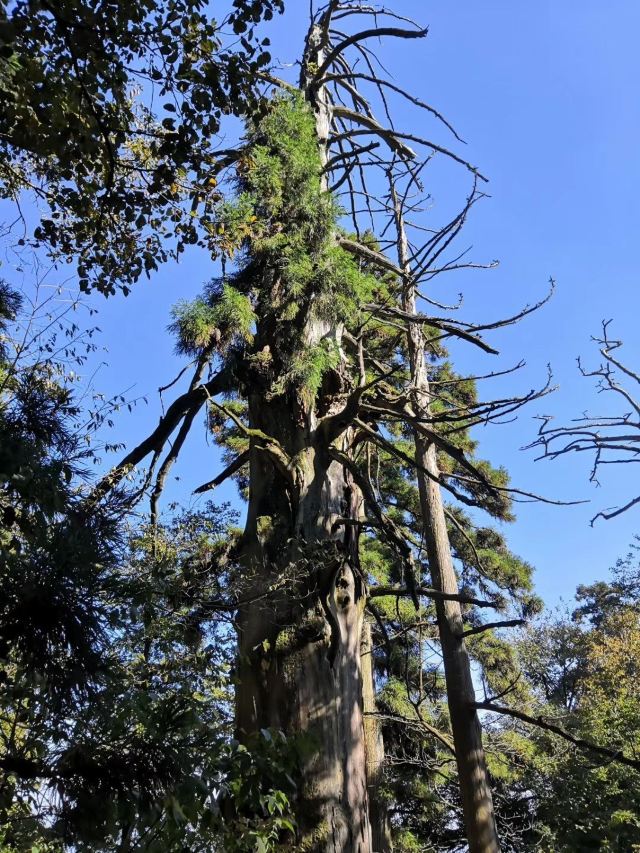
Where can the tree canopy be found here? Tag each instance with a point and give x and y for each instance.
(110, 121)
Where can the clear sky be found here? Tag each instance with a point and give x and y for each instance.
(546, 96)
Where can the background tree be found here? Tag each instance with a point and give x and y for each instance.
(110, 122)
(611, 439)
(583, 673)
(116, 647)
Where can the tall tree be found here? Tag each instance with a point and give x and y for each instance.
(467, 735)
(320, 359)
(312, 344)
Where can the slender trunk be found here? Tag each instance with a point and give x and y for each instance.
(477, 802)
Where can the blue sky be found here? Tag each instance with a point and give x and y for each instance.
(546, 97)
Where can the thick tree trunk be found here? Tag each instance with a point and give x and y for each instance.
(299, 652)
(477, 802)
(378, 814)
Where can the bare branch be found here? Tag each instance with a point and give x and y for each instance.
(418, 723)
(390, 136)
(229, 471)
(427, 592)
(543, 723)
(367, 254)
(491, 626)
(395, 32)
(189, 402)
(613, 439)
(450, 327)
(329, 78)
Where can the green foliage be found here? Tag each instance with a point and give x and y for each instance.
(56, 553)
(116, 650)
(296, 221)
(224, 317)
(110, 117)
(583, 671)
(282, 224)
(260, 784)
(307, 369)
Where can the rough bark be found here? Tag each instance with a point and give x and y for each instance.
(477, 802)
(378, 813)
(299, 663)
(299, 652)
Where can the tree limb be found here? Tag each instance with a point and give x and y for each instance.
(489, 626)
(542, 723)
(188, 402)
(229, 471)
(380, 591)
(396, 32)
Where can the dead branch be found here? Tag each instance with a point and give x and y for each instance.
(491, 626)
(330, 78)
(229, 471)
(418, 724)
(338, 50)
(455, 329)
(427, 592)
(261, 441)
(169, 462)
(612, 440)
(377, 258)
(372, 126)
(543, 723)
(185, 405)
